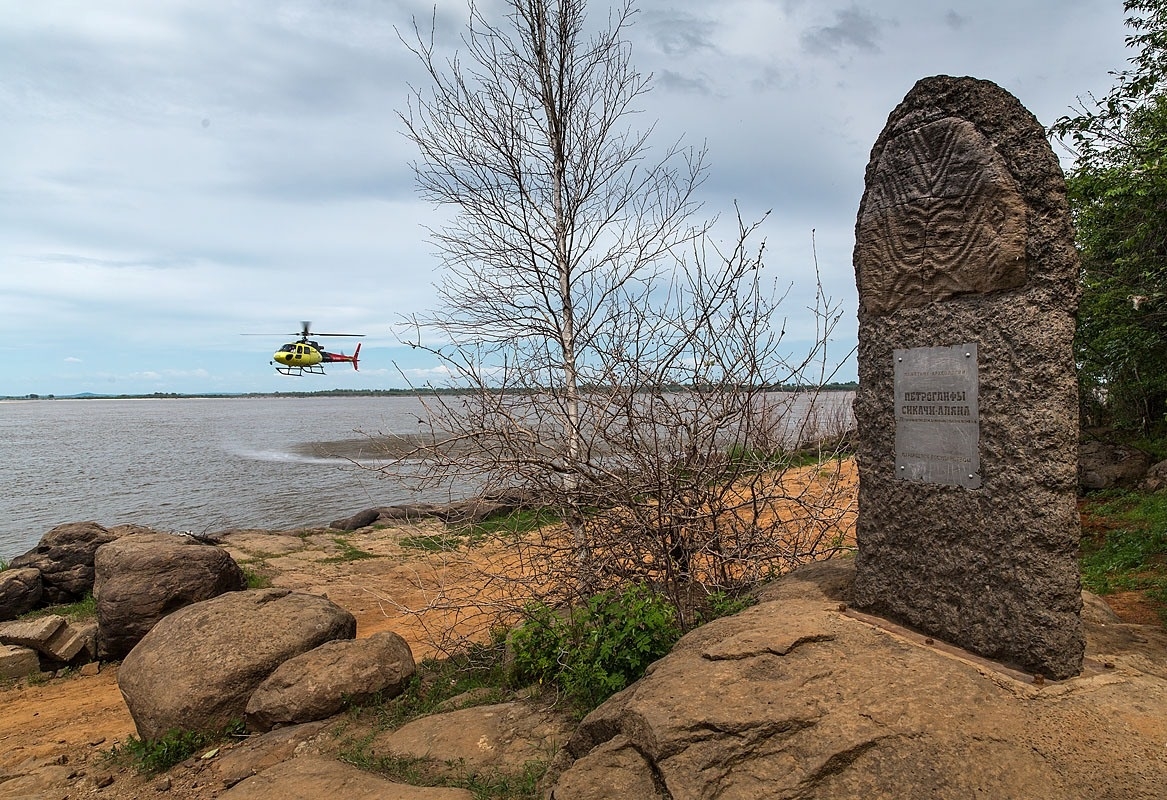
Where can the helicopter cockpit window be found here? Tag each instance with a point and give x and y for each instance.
(287, 348)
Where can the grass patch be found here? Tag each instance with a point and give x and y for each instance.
(513, 525)
(255, 579)
(150, 756)
(348, 552)
(443, 542)
(83, 610)
(1124, 545)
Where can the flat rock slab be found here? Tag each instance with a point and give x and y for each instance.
(259, 753)
(17, 662)
(793, 698)
(503, 737)
(32, 633)
(317, 778)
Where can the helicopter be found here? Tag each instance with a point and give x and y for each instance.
(307, 356)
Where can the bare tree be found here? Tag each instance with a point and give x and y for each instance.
(617, 365)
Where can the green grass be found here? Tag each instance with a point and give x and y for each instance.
(150, 756)
(456, 536)
(348, 552)
(1124, 545)
(514, 524)
(83, 610)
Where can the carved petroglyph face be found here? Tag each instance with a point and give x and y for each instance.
(942, 217)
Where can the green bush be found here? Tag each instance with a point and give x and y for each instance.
(595, 651)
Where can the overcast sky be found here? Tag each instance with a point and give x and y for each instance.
(175, 173)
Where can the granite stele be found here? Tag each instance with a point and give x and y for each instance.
(967, 406)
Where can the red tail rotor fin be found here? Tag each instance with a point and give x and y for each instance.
(356, 355)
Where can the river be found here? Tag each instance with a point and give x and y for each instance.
(198, 464)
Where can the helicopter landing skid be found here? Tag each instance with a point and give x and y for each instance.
(296, 372)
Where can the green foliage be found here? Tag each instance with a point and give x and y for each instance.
(158, 755)
(1118, 196)
(1126, 547)
(595, 651)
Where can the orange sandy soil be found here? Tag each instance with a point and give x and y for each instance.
(74, 720)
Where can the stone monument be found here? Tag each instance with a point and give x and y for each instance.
(967, 405)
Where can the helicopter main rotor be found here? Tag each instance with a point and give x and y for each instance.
(305, 332)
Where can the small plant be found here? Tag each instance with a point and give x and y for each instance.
(255, 580)
(593, 652)
(150, 756)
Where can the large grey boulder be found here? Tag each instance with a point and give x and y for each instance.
(317, 684)
(64, 557)
(20, 591)
(141, 578)
(196, 668)
(799, 697)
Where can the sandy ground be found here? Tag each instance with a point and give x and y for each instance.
(66, 725)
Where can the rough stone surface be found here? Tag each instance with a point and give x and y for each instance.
(64, 557)
(18, 662)
(316, 778)
(20, 591)
(801, 697)
(1156, 478)
(142, 577)
(1106, 465)
(964, 236)
(257, 753)
(501, 737)
(32, 633)
(317, 684)
(197, 667)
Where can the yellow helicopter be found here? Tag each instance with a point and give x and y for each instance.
(307, 356)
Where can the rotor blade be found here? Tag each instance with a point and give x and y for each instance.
(338, 334)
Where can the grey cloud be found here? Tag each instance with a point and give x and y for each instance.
(954, 20)
(853, 28)
(679, 34)
(669, 80)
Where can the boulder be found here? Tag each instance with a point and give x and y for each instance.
(142, 577)
(358, 520)
(1106, 465)
(319, 778)
(20, 591)
(317, 684)
(1156, 478)
(800, 697)
(64, 557)
(197, 667)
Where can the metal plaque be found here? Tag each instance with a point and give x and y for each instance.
(938, 427)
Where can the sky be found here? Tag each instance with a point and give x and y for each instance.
(176, 173)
